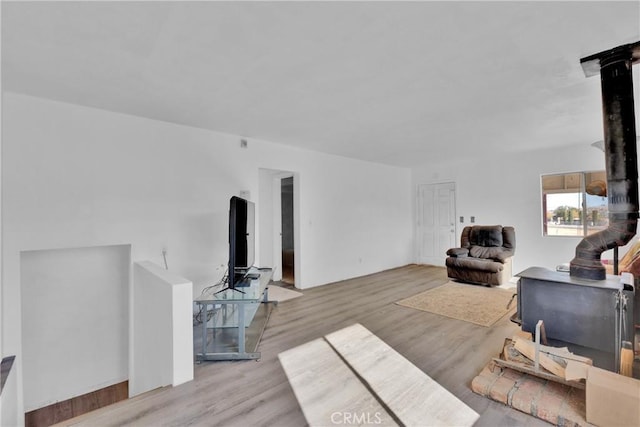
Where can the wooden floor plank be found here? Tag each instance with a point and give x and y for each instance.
(257, 393)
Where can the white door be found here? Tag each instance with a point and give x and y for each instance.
(436, 222)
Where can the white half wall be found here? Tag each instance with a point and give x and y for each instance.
(9, 414)
(162, 338)
(75, 305)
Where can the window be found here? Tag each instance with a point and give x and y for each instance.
(574, 204)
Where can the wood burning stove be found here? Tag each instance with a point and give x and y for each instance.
(586, 307)
(592, 317)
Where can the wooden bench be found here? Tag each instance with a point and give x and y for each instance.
(327, 390)
(353, 377)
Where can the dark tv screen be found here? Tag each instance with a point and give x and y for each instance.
(241, 238)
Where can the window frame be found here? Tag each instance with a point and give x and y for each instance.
(568, 186)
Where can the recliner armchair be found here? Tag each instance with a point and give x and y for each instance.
(485, 255)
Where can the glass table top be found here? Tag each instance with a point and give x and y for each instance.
(250, 291)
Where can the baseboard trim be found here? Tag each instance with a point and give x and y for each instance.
(66, 409)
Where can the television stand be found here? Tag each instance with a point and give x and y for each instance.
(229, 288)
(245, 282)
(239, 319)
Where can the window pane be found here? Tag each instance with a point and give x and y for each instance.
(597, 213)
(564, 214)
(574, 203)
(597, 209)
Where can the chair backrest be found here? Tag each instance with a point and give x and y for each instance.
(488, 236)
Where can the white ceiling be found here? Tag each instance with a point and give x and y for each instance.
(401, 83)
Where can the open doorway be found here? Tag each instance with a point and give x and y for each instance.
(287, 234)
(279, 236)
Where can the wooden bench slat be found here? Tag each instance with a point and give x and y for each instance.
(412, 396)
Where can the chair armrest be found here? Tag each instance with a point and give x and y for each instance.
(458, 252)
(503, 256)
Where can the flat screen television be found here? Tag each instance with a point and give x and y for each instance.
(241, 240)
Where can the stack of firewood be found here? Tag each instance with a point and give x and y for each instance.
(554, 363)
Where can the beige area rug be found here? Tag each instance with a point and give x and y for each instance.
(278, 293)
(476, 304)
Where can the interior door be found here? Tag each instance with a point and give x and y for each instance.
(287, 231)
(284, 227)
(277, 229)
(436, 223)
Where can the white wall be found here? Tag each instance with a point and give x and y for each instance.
(356, 213)
(75, 310)
(504, 188)
(78, 177)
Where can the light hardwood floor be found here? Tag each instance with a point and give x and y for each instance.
(257, 393)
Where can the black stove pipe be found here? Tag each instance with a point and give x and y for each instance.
(620, 159)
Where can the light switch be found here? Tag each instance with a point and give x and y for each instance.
(461, 219)
(472, 219)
